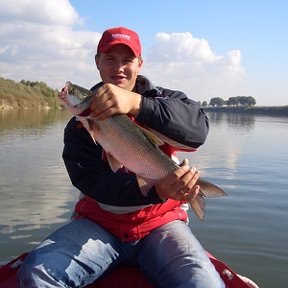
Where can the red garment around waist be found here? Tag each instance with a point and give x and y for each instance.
(135, 225)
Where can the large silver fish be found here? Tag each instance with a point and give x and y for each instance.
(129, 145)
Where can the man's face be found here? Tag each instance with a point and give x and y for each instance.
(119, 66)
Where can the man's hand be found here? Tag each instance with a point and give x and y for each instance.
(111, 99)
(180, 184)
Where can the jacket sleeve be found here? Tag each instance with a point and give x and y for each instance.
(175, 116)
(93, 176)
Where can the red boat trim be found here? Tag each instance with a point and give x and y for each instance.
(128, 277)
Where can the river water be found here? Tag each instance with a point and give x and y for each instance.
(244, 154)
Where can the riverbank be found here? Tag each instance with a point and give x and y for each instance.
(5, 105)
(265, 110)
(26, 95)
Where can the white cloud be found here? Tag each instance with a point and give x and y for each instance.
(39, 42)
(39, 11)
(180, 47)
(180, 61)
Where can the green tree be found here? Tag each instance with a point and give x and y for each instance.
(251, 101)
(204, 104)
(27, 94)
(217, 101)
(232, 101)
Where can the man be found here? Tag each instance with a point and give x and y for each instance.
(116, 223)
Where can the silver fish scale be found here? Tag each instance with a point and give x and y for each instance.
(122, 138)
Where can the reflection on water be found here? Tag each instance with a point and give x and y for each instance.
(247, 156)
(35, 191)
(28, 122)
(234, 120)
(226, 141)
(244, 154)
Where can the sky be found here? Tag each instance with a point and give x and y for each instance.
(207, 49)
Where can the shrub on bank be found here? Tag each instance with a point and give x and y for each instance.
(27, 95)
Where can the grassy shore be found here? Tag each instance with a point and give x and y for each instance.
(27, 95)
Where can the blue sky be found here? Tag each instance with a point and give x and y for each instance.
(205, 48)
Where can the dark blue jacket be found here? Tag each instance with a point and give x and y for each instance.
(167, 111)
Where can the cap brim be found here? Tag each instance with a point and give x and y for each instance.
(111, 44)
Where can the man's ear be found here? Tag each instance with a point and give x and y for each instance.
(97, 61)
(140, 63)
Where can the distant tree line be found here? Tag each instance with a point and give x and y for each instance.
(27, 94)
(43, 87)
(232, 101)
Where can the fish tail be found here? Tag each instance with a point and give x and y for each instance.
(209, 189)
(198, 205)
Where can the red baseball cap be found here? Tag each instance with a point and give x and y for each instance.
(119, 35)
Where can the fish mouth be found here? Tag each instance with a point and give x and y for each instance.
(64, 92)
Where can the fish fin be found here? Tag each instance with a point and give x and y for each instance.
(88, 124)
(151, 136)
(114, 164)
(143, 185)
(171, 142)
(210, 190)
(198, 205)
(159, 139)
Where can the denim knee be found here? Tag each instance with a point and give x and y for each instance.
(33, 274)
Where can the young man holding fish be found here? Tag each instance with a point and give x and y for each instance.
(119, 220)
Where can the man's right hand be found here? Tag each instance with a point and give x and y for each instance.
(180, 184)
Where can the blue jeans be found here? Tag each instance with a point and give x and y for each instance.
(80, 252)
